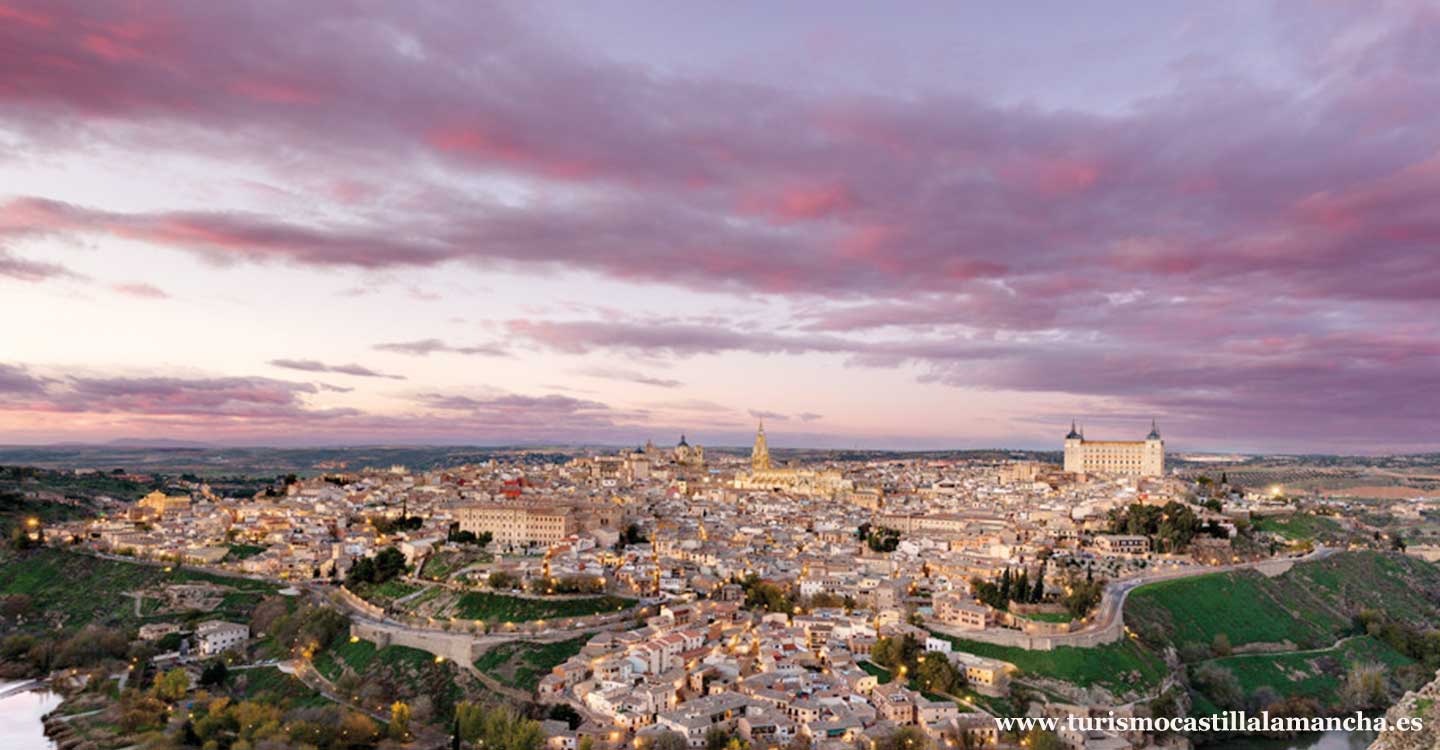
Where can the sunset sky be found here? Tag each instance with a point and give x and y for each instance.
(872, 224)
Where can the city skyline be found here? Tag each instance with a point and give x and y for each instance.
(544, 223)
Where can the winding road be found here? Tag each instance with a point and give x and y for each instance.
(1107, 623)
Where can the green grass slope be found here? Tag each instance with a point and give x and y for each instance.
(1312, 674)
(1310, 605)
(521, 664)
(69, 589)
(1119, 667)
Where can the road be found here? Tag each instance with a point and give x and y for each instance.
(1107, 623)
(1112, 602)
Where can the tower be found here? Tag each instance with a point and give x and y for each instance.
(760, 454)
(1152, 463)
(1075, 450)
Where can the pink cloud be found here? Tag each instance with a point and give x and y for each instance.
(1256, 228)
(140, 289)
(799, 203)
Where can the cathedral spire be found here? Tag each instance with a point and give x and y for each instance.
(760, 454)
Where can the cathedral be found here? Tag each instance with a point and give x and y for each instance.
(764, 476)
(760, 454)
(683, 453)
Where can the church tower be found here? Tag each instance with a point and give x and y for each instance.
(760, 454)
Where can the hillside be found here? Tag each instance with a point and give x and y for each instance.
(1309, 606)
(53, 588)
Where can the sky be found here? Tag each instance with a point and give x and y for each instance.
(926, 225)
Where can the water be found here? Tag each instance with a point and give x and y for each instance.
(1335, 740)
(20, 727)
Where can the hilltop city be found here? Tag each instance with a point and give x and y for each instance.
(670, 597)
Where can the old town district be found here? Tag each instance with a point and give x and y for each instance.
(817, 604)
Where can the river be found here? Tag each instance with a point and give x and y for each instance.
(20, 714)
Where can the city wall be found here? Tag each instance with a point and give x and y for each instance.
(455, 647)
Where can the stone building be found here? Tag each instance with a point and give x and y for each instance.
(1139, 458)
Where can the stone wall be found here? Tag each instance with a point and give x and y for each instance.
(452, 646)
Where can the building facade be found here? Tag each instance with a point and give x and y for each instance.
(518, 525)
(1138, 458)
(216, 636)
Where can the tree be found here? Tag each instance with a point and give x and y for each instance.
(214, 673)
(1365, 686)
(716, 739)
(765, 595)
(497, 728)
(668, 741)
(358, 730)
(139, 712)
(399, 727)
(460, 537)
(936, 674)
(882, 539)
(893, 653)
(1037, 592)
(381, 567)
(563, 712)
(1221, 645)
(1220, 685)
(633, 535)
(389, 562)
(172, 686)
(503, 580)
(1082, 596)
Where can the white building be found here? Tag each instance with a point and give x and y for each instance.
(215, 637)
(1139, 458)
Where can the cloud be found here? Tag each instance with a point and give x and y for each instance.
(426, 347)
(772, 415)
(240, 398)
(629, 376)
(311, 365)
(17, 380)
(21, 269)
(755, 187)
(271, 411)
(142, 290)
(1241, 255)
(660, 337)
